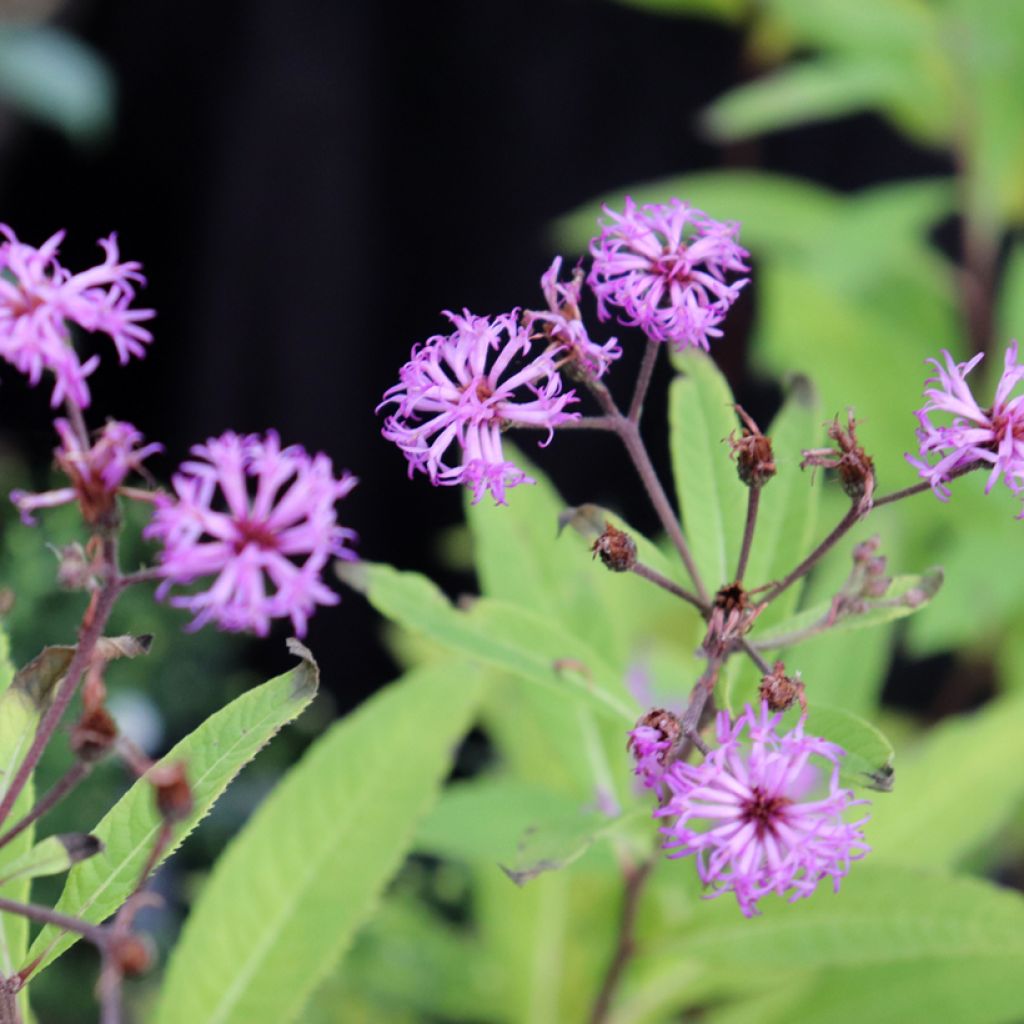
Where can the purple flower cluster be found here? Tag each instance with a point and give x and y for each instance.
(260, 519)
(39, 299)
(750, 816)
(664, 268)
(993, 436)
(96, 470)
(462, 389)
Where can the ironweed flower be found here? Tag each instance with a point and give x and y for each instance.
(975, 435)
(461, 390)
(650, 743)
(563, 325)
(96, 472)
(745, 813)
(664, 266)
(260, 519)
(39, 299)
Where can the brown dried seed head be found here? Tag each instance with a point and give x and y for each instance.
(173, 794)
(94, 734)
(780, 691)
(133, 954)
(732, 597)
(617, 550)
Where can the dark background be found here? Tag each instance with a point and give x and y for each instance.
(308, 184)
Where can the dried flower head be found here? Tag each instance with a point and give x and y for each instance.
(974, 436)
(616, 549)
(747, 815)
(855, 468)
(96, 471)
(755, 462)
(260, 519)
(664, 268)
(462, 390)
(39, 299)
(780, 691)
(562, 324)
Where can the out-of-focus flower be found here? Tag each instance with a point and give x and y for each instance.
(664, 267)
(260, 519)
(39, 299)
(975, 435)
(96, 471)
(563, 324)
(462, 390)
(747, 815)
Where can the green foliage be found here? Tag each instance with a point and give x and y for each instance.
(213, 754)
(291, 890)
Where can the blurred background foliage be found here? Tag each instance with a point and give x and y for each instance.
(853, 287)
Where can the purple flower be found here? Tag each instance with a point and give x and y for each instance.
(261, 520)
(664, 267)
(96, 471)
(39, 298)
(649, 745)
(994, 435)
(745, 812)
(462, 390)
(563, 324)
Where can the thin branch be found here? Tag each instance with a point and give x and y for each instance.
(626, 944)
(96, 934)
(643, 381)
(647, 573)
(53, 796)
(751, 651)
(753, 500)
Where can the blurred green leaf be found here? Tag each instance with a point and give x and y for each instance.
(50, 75)
(712, 497)
(213, 754)
(869, 754)
(288, 894)
(728, 11)
(957, 788)
(52, 856)
(501, 635)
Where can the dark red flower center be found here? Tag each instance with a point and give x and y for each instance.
(764, 811)
(1001, 422)
(250, 532)
(673, 265)
(27, 302)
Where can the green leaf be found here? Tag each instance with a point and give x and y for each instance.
(53, 856)
(289, 893)
(213, 754)
(49, 74)
(906, 595)
(869, 754)
(504, 636)
(712, 497)
(957, 788)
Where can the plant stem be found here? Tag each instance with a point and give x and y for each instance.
(89, 632)
(665, 583)
(753, 500)
(60, 789)
(844, 524)
(626, 944)
(643, 381)
(9, 1012)
(96, 934)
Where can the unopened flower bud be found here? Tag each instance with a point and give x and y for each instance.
(755, 462)
(651, 743)
(173, 794)
(132, 954)
(616, 549)
(780, 691)
(94, 734)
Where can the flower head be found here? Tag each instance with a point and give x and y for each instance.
(745, 812)
(39, 298)
(260, 519)
(563, 325)
(96, 471)
(651, 742)
(462, 390)
(664, 267)
(974, 435)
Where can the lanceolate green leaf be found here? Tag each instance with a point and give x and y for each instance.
(288, 895)
(713, 499)
(213, 754)
(501, 635)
